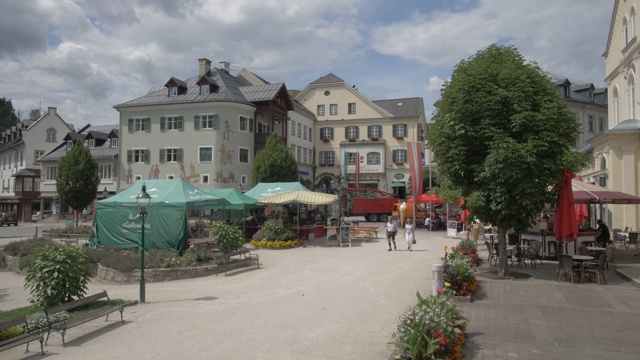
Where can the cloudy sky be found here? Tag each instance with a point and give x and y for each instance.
(85, 56)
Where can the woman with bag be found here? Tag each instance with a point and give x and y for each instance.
(391, 233)
(409, 234)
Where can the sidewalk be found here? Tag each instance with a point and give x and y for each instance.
(343, 303)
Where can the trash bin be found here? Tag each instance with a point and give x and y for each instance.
(334, 222)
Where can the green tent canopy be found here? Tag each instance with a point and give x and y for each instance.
(236, 199)
(263, 190)
(117, 222)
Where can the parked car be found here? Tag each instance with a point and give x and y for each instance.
(41, 215)
(8, 218)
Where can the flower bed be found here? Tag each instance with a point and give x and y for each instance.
(434, 328)
(275, 244)
(459, 272)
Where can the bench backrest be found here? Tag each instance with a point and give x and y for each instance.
(77, 303)
(5, 324)
(244, 250)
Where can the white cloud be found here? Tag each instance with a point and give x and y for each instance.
(435, 83)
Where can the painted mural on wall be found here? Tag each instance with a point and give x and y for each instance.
(154, 172)
(129, 175)
(225, 155)
(221, 178)
(227, 131)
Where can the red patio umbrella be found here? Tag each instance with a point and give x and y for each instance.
(581, 209)
(428, 198)
(565, 225)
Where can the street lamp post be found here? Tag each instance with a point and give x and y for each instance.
(143, 200)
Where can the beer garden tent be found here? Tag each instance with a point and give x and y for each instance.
(236, 199)
(299, 197)
(263, 190)
(117, 222)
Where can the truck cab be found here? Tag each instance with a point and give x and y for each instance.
(420, 212)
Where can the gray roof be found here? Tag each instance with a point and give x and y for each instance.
(27, 173)
(627, 125)
(577, 90)
(101, 149)
(407, 107)
(327, 79)
(230, 89)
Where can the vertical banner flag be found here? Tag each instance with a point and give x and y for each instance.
(345, 164)
(357, 155)
(414, 150)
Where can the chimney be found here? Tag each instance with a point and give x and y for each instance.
(52, 110)
(204, 66)
(225, 65)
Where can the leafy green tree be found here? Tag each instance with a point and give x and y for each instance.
(8, 116)
(77, 180)
(275, 163)
(501, 137)
(34, 114)
(59, 274)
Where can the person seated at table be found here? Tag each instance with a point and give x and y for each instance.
(604, 237)
(437, 224)
(427, 221)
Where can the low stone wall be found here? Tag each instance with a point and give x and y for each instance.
(11, 263)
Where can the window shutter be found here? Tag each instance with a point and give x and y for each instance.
(405, 153)
(331, 136)
(130, 125)
(147, 125)
(196, 122)
(357, 132)
(369, 131)
(163, 155)
(405, 126)
(179, 155)
(321, 133)
(346, 132)
(250, 125)
(129, 156)
(379, 131)
(163, 123)
(181, 123)
(216, 121)
(147, 155)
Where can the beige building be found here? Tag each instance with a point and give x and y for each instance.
(349, 122)
(615, 156)
(21, 173)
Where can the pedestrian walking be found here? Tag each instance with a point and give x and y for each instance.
(84, 214)
(409, 234)
(391, 232)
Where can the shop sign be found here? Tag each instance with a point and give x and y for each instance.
(398, 176)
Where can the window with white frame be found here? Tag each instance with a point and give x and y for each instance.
(632, 97)
(293, 127)
(137, 178)
(374, 131)
(246, 124)
(625, 31)
(304, 156)
(320, 111)
(333, 109)
(91, 143)
(292, 148)
(37, 154)
(591, 123)
(310, 134)
(243, 155)
(171, 123)
(204, 89)
(105, 172)
(243, 180)
(299, 130)
(351, 158)
(304, 132)
(204, 179)
(327, 158)
(205, 154)
(50, 173)
(298, 154)
(69, 144)
(51, 134)
(173, 91)
(351, 108)
(600, 124)
(170, 155)
(632, 22)
(399, 156)
(138, 155)
(351, 132)
(326, 133)
(400, 130)
(373, 158)
(210, 121)
(171, 176)
(114, 142)
(139, 125)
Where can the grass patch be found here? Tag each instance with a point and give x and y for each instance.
(30, 310)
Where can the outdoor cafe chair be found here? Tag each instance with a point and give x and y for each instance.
(497, 252)
(492, 254)
(610, 251)
(632, 239)
(533, 252)
(618, 236)
(599, 271)
(567, 268)
(582, 250)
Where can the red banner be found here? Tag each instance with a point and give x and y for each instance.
(414, 151)
(357, 155)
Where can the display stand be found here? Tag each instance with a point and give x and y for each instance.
(345, 235)
(452, 229)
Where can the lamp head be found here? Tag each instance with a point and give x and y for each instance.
(143, 200)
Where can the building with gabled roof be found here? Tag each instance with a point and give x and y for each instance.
(205, 129)
(348, 122)
(20, 148)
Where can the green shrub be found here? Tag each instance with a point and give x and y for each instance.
(228, 237)
(80, 230)
(274, 230)
(124, 261)
(59, 273)
(8, 333)
(26, 247)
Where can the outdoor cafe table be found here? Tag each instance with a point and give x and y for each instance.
(595, 248)
(581, 259)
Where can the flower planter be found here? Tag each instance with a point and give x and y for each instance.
(351, 139)
(463, 299)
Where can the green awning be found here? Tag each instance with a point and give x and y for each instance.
(398, 184)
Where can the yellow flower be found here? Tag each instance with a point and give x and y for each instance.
(446, 248)
(447, 284)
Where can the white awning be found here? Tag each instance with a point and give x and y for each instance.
(302, 197)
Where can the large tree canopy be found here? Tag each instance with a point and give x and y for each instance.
(8, 116)
(275, 163)
(501, 137)
(77, 179)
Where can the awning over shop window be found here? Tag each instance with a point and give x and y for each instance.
(398, 184)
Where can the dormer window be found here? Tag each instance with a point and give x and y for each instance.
(91, 143)
(565, 90)
(69, 144)
(205, 89)
(173, 91)
(590, 95)
(114, 142)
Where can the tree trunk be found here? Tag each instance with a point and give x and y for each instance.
(503, 265)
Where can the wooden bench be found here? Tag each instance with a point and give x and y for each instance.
(25, 338)
(61, 326)
(246, 258)
(367, 233)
